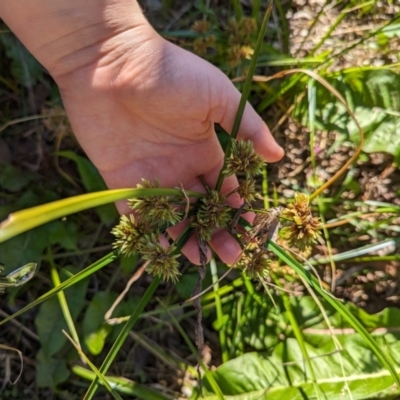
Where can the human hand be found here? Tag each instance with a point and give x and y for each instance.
(151, 115)
(140, 106)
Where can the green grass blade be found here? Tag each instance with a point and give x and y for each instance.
(237, 7)
(360, 251)
(219, 311)
(154, 348)
(24, 220)
(246, 88)
(69, 282)
(122, 336)
(298, 335)
(284, 31)
(363, 39)
(279, 91)
(63, 301)
(346, 314)
(123, 385)
(327, 35)
(209, 377)
(256, 8)
(314, 22)
(101, 377)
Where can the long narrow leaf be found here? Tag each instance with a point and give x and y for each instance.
(123, 385)
(218, 310)
(192, 348)
(63, 301)
(122, 337)
(350, 318)
(24, 220)
(101, 377)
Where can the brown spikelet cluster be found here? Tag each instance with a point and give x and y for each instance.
(206, 41)
(240, 39)
(201, 26)
(202, 44)
(161, 260)
(141, 235)
(234, 42)
(247, 191)
(240, 32)
(146, 231)
(236, 54)
(213, 213)
(244, 159)
(302, 229)
(255, 264)
(127, 235)
(156, 210)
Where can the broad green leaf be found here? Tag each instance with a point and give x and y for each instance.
(50, 323)
(278, 370)
(50, 371)
(25, 68)
(90, 176)
(262, 376)
(374, 97)
(64, 233)
(188, 280)
(391, 30)
(186, 284)
(95, 330)
(12, 178)
(314, 284)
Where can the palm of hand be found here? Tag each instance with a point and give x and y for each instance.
(153, 117)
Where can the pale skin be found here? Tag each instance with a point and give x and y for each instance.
(140, 106)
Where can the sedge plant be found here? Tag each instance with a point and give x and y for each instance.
(154, 209)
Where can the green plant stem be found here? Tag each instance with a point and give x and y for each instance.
(312, 106)
(63, 301)
(122, 336)
(286, 85)
(284, 31)
(255, 11)
(158, 352)
(265, 187)
(362, 40)
(208, 374)
(298, 334)
(220, 313)
(237, 7)
(339, 19)
(101, 377)
(246, 91)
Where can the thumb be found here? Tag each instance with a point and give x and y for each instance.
(252, 127)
